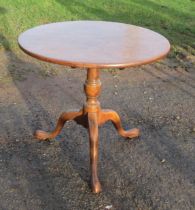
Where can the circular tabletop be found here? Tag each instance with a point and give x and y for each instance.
(94, 44)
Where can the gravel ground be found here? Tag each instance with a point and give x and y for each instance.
(155, 171)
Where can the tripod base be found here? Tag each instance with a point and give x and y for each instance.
(91, 117)
(91, 121)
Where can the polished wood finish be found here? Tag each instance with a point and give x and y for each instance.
(66, 116)
(93, 45)
(91, 116)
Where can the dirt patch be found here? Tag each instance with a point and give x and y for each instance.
(156, 171)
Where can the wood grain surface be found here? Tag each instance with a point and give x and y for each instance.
(94, 44)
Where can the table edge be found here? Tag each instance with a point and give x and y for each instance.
(78, 64)
(94, 65)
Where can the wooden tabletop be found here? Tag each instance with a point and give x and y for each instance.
(92, 44)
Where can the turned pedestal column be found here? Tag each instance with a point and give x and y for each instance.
(91, 116)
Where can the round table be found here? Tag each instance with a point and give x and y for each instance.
(93, 45)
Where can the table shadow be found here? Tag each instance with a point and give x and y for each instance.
(43, 186)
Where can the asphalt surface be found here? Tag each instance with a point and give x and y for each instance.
(155, 171)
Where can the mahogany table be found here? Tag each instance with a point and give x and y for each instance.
(93, 45)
